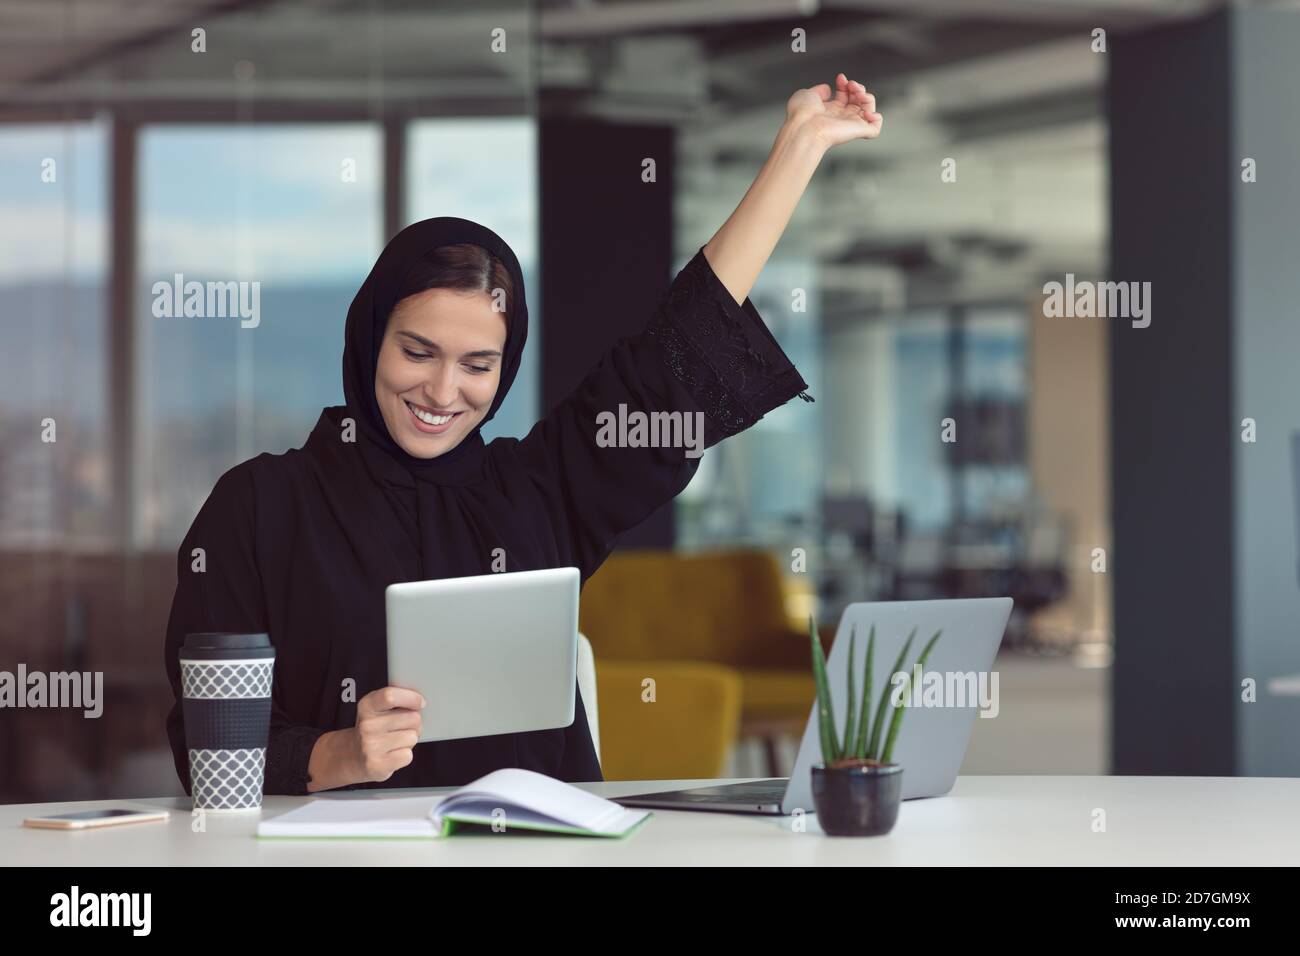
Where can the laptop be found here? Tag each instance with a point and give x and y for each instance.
(491, 653)
(932, 740)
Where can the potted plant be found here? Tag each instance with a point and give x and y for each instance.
(856, 787)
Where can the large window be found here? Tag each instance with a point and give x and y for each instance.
(967, 364)
(54, 467)
(288, 218)
(993, 476)
(884, 388)
(921, 377)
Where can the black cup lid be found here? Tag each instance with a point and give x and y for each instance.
(225, 641)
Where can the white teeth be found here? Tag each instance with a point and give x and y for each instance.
(428, 418)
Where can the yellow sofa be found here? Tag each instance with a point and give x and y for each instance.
(702, 627)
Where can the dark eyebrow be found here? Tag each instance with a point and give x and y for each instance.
(480, 353)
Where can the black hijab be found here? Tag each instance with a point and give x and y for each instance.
(368, 320)
(422, 491)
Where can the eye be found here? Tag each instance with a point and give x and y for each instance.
(480, 369)
(414, 355)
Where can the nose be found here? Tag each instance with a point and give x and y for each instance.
(442, 389)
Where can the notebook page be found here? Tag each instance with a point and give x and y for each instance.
(343, 817)
(542, 795)
(484, 811)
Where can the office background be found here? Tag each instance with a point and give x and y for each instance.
(1099, 477)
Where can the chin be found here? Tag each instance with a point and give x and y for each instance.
(426, 446)
(419, 445)
(417, 442)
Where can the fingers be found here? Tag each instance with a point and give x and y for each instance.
(848, 113)
(852, 90)
(389, 698)
(867, 103)
(385, 754)
(390, 721)
(859, 95)
(387, 739)
(385, 744)
(849, 94)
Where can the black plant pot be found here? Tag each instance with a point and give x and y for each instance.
(857, 801)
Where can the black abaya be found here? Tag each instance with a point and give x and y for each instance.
(301, 545)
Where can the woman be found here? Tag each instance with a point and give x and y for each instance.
(398, 484)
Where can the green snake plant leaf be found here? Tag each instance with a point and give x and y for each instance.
(896, 724)
(825, 708)
(873, 748)
(864, 720)
(846, 750)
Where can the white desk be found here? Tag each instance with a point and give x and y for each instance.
(1201, 821)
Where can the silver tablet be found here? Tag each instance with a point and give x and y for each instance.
(492, 653)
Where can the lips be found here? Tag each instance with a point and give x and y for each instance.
(430, 423)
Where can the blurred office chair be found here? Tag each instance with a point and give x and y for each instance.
(667, 720)
(587, 687)
(722, 608)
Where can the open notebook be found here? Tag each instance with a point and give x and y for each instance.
(511, 799)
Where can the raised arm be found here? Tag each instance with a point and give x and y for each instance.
(705, 356)
(816, 119)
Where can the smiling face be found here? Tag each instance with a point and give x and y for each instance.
(439, 367)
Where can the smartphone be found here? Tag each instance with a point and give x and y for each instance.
(83, 819)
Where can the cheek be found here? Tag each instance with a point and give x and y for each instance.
(393, 375)
(486, 388)
(383, 372)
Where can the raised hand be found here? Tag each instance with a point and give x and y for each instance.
(848, 113)
(816, 120)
